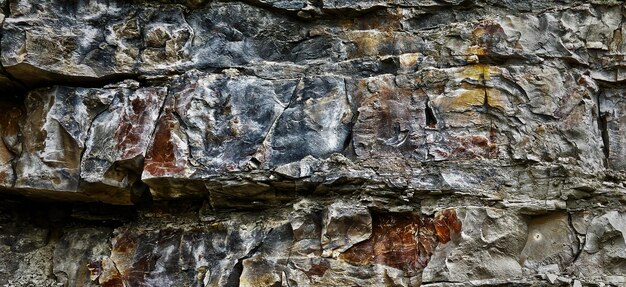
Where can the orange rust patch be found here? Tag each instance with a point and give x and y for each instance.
(380, 99)
(427, 241)
(127, 134)
(361, 253)
(398, 244)
(404, 240)
(134, 123)
(133, 259)
(442, 231)
(446, 222)
(126, 138)
(495, 99)
(161, 158)
(477, 50)
(409, 59)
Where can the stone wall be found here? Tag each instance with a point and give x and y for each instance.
(312, 143)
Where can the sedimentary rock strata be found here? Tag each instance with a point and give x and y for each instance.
(312, 143)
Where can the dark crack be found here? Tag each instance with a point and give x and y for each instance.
(17, 154)
(33, 77)
(160, 114)
(431, 120)
(88, 135)
(348, 148)
(603, 120)
(270, 131)
(185, 128)
(235, 274)
(16, 88)
(581, 244)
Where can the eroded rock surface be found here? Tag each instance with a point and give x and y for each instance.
(312, 143)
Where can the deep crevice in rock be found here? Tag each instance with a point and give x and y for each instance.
(33, 77)
(432, 89)
(235, 275)
(603, 126)
(431, 120)
(603, 121)
(581, 245)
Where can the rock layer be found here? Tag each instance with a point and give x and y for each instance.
(312, 143)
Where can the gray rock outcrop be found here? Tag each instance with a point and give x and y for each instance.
(312, 143)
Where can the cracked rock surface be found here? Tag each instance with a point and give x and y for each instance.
(312, 143)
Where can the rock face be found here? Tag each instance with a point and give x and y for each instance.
(312, 143)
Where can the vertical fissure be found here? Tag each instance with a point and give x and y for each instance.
(603, 122)
(348, 145)
(235, 275)
(431, 120)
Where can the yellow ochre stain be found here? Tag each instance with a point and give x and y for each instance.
(477, 72)
(477, 50)
(474, 97)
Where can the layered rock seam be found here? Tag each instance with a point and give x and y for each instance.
(312, 143)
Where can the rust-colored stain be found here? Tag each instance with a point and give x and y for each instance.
(404, 240)
(374, 37)
(470, 147)
(124, 244)
(135, 121)
(427, 241)
(472, 91)
(380, 99)
(133, 260)
(318, 269)
(161, 157)
(127, 134)
(446, 223)
(10, 119)
(485, 36)
(492, 134)
(9, 132)
(113, 282)
(367, 44)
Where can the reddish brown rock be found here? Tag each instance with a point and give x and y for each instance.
(447, 224)
(118, 141)
(404, 240)
(165, 156)
(10, 146)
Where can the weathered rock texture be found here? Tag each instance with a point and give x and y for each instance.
(312, 143)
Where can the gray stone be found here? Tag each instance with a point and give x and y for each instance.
(312, 143)
(78, 255)
(604, 246)
(344, 225)
(550, 241)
